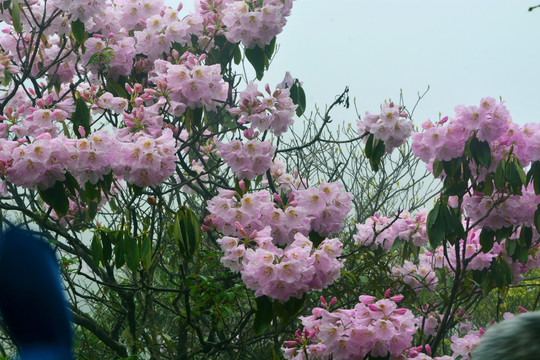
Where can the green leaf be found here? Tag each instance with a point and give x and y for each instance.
(263, 314)
(97, 250)
(132, 253)
(16, 16)
(369, 146)
(378, 152)
(78, 30)
(522, 254)
(521, 172)
(288, 310)
(457, 189)
(537, 218)
(438, 167)
(514, 178)
(436, 226)
(92, 211)
(298, 97)
(146, 252)
(116, 89)
(398, 242)
(72, 185)
(92, 192)
(481, 152)
(258, 59)
(107, 246)
(119, 258)
(487, 238)
(500, 175)
(56, 198)
(510, 246)
(525, 236)
(315, 238)
(81, 117)
(269, 49)
(488, 184)
(237, 55)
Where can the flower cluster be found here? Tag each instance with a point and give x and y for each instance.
(327, 205)
(418, 277)
(382, 230)
(255, 23)
(274, 112)
(247, 160)
(190, 83)
(515, 209)
(375, 327)
(391, 125)
(490, 122)
(282, 273)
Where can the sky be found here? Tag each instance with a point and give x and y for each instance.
(462, 49)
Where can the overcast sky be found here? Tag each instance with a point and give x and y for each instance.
(463, 49)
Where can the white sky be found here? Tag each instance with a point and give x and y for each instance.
(463, 49)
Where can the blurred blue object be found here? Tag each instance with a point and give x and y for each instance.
(32, 302)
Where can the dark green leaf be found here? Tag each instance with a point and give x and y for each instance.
(107, 246)
(56, 198)
(288, 310)
(72, 185)
(301, 101)
(458, 189)
(263, 314)
(92, 211)
(488, 184)
(16, 16)
(315, 238)
(269, 49)
(481, 152)
(514, 177)
(258, 59)
(510, 246)
(146, 252)
(487, 238)
(537, 218)
(119, 258)
(438, 167)
(79, 32)
(116, 89)
(132, 253)
(436, 229)
(525, 236)
(81, 117)
(237, 55)
(500, 174)
(369, 146)
(522, 254)
(97, 250)
(398, 242)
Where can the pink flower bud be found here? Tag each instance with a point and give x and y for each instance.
(522, 309)
(204, 228)
(323, 302)
(278, 200)
(443, 120)
(333, 301)
(137, 88)
(396, 298)
(428, 349)
(400, 311)
(290, 343)
(240, 228)
(242, 185)
(387, 293)
(129, 89)
(81, 131)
